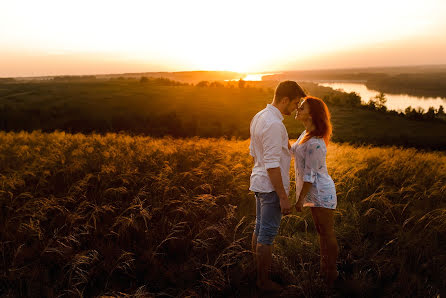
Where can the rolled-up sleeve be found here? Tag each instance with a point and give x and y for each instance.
(314, 158)
(251, 148)
(272, 145)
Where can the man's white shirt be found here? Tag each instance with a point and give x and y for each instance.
(269, 147)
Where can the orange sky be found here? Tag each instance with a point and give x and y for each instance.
(91, 37)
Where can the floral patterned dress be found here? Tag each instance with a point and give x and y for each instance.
(310, 166)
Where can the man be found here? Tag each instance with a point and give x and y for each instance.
(270, 175)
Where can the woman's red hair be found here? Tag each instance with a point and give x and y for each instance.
(321, 120)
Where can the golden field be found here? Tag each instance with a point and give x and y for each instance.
(92, 215)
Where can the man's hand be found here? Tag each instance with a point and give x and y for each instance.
(285, 206)
(276, 180)
(299, 205)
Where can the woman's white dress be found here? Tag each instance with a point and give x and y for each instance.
(310, 166)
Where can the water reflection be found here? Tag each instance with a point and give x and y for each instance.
(256, 76)
(394, 101)
(253, 77)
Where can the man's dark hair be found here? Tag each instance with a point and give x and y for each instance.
(288, 89)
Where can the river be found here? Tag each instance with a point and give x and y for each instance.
(394, 101)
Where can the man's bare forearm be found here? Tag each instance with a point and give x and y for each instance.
(276, 179)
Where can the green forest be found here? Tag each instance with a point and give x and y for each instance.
(162, 107)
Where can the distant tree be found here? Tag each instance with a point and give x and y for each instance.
(408, 110)
(416, 114)
(353, 99)
(241, 83)
(203, 84)
(440, 112)
(378, 102)
(165, 82)
(144, 80)
(335, 99)
(216, 84)
(420, 110)
(430, 114)
(381, 101)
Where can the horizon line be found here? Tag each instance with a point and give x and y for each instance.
(235, 72)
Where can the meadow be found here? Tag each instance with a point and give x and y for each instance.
(161, 107)
(114, 214)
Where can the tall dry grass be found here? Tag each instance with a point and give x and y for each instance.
(119, 215)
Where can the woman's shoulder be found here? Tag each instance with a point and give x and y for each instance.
(315, 139)
(316, 143)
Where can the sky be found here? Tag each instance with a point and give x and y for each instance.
(48, 37)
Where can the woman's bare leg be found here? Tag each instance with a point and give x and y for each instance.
(322, 246)
(325, 220)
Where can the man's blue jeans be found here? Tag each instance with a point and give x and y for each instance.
(268, 216)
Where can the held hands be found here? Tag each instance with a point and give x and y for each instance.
(301, 198)
(299, 205)
(285, 206)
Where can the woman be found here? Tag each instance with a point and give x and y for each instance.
(314, 187)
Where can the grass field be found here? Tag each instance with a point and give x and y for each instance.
(119, 215)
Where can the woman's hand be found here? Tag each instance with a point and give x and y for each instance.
(303, 194)
(299, 205)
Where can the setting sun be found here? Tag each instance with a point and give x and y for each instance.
(247, 36)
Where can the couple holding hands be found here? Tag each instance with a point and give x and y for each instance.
(270, 179)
